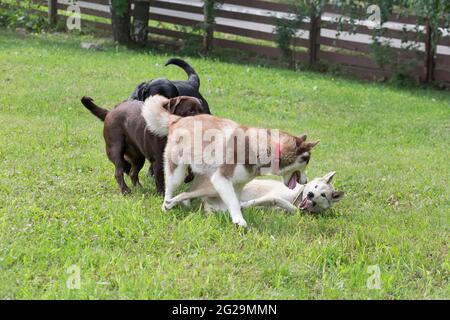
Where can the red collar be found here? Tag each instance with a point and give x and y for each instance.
(278, 151)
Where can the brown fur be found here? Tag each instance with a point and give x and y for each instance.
(129, 142)
(291, 146)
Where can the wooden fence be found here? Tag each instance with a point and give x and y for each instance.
(248, 25)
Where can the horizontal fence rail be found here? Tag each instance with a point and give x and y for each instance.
(249, 26)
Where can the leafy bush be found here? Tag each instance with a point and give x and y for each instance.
(120, 6)
(433, 14)
(21, 16)
(284, 34)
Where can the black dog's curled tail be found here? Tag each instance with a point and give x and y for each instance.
(193, 77)
(100, 113)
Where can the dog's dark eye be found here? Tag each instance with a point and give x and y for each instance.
(315, 187)
(323, 195)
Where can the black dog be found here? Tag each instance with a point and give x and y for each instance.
(129, 142)
(172, 89)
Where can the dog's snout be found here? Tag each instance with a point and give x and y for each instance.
(310, 195)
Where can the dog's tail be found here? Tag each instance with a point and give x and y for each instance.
(157, 116)
(193, 77)
(100, 113)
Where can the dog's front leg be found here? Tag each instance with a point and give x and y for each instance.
(270, 202)
(225, 189)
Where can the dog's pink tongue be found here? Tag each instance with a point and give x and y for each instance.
(292, 181)
(305, 204)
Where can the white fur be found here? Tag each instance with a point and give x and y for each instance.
(259, 192)
(323, 193)
(225, 189)
(156, 117)
(172, 180)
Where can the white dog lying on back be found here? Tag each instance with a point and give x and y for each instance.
(314, 196)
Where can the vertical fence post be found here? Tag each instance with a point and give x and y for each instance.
(314, 33)
(52, 12)
(430, 51)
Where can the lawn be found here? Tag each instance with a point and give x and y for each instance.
(60, 205)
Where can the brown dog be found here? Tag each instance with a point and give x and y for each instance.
(129, 142)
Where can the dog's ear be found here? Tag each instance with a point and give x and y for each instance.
(303, 146)
(173, 104)
(337, 196)
(144, 91)
(311, 144)
(300, 140)
(329, 176)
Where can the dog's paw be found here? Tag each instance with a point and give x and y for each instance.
(169, 205)
(240, 222)
(126, 191)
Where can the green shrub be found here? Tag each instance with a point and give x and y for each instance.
(20, 15)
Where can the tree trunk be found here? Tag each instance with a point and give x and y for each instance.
(120, 20)
(52, 12)
(140, 21)
(314, 33)
(430, 52)
(208, 20)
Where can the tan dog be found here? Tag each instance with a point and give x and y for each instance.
(227, 161)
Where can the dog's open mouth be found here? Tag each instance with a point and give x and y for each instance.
(295, 177)
(306, 204)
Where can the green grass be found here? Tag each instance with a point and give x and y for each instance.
(60, 205)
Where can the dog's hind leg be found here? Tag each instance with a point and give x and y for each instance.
(173, 177)
(225, 189)
(127, 167)
(190, 176)
(203, 192)
(270, 202)
(116, 155)
(151, 170)
(158, 170)
(137, 165)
